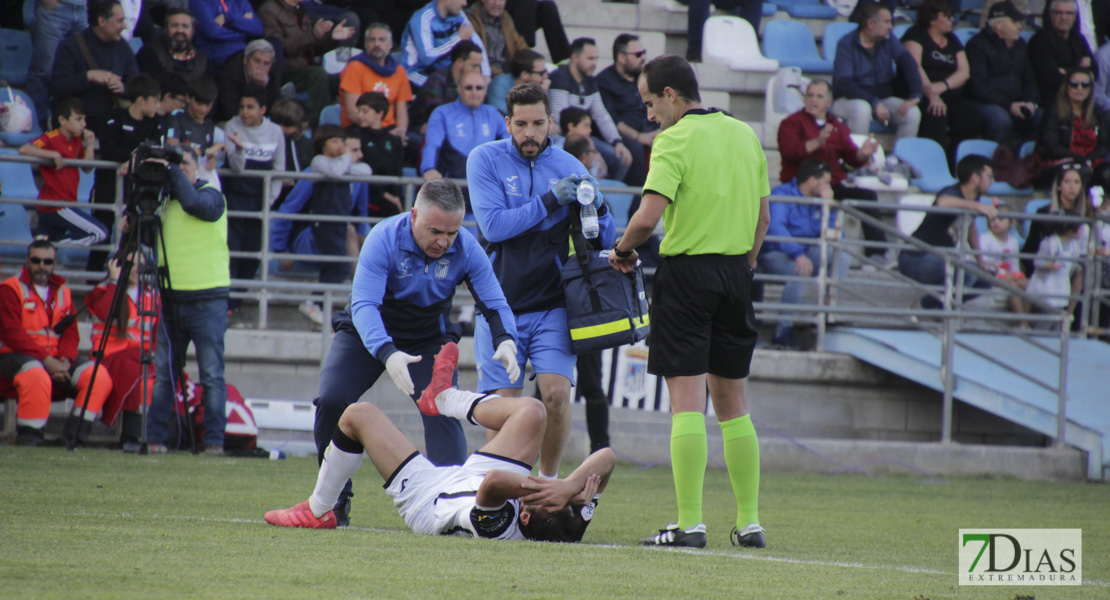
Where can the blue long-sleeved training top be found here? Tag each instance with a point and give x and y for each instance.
(454, 130)
(528, 232)
(303, 193)
(400, 296)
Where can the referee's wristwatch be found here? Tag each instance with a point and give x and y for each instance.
(619, 253)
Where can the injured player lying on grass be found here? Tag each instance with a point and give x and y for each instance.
(491, 495)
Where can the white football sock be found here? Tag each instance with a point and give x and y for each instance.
(543, 475)
(337, 468)
(457, 403)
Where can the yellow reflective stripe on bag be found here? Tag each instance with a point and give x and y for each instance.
(594, 331)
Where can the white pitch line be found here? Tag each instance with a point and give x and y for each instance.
(695, 552)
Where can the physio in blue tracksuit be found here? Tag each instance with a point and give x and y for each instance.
(399, 317)
(519, 190)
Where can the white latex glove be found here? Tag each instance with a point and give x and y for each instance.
(506, 353)
(397, 365)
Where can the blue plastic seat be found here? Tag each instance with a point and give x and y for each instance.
(1027, 33)
(618, 203)
(964, 34)
(19, 181)
(1027, 149)
(831, 37)
(769, 9)
(18, 139)
(986, 148)
(15, 56)
(928, 157)
(792, 44)
(330, 115)
(807, 9)
(136, 44)
(900, 30)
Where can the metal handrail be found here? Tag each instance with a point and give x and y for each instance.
(957, 261)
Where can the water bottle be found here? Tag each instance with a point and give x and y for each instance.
(589, 213)
(1096, 196)
(277, 454)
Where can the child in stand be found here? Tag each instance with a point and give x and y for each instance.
(70, 140)
(335, 157)
(382, 150)
(1000, 250)
(1057, 273)
(194, 125)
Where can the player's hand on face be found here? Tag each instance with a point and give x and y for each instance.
(551, 494)
(589, 490)
(397, 365)
(566, 191)
(506, 354)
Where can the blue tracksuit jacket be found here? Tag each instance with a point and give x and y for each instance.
(528, 232)
(401, 296)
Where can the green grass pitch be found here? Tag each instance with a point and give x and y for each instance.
(99, 524)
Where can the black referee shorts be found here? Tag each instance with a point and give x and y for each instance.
(702, 320)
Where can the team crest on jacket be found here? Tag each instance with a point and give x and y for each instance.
(442, 265)
(513, 185)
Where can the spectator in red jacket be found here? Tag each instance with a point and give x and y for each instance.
(815, 133)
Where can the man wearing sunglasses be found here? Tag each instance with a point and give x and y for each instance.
(617, 84)
(457, 128)
(38, 363)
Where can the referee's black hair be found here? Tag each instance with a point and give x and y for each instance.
(671, 70)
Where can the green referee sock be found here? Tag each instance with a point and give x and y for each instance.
(689, 454)
(742, 459)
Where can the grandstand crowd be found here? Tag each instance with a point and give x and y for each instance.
(411, 88)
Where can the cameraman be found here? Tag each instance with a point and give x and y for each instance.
(194, 229)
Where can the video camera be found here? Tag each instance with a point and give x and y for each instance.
(148, 176)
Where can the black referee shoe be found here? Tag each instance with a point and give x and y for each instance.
(693, 537)
(343, 511)
(750, 537)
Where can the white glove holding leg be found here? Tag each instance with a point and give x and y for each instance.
(397, 365)
(506, 353)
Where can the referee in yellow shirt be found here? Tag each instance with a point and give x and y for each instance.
(708, 182)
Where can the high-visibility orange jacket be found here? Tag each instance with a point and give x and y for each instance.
(27, 320)
(99, 302)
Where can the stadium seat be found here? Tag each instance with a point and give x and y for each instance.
(965, 33)
(970, 10)
(618, 203)
(769, 9)
(330, 115)
(1027, 149)
(908, 220)
(928, 157)
(807, 9)
(900, 30)
(986, 148)
(409, 172)
(18, 139)
(776, 108)
(1027, 33)
(732, 41)
(136, 44)
(792, 44)
(15, 56)
(1031, 207)
(336, 60)
(15, 227)
(28, 14)
(831, 36)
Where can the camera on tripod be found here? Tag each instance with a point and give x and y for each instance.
(149, 176)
